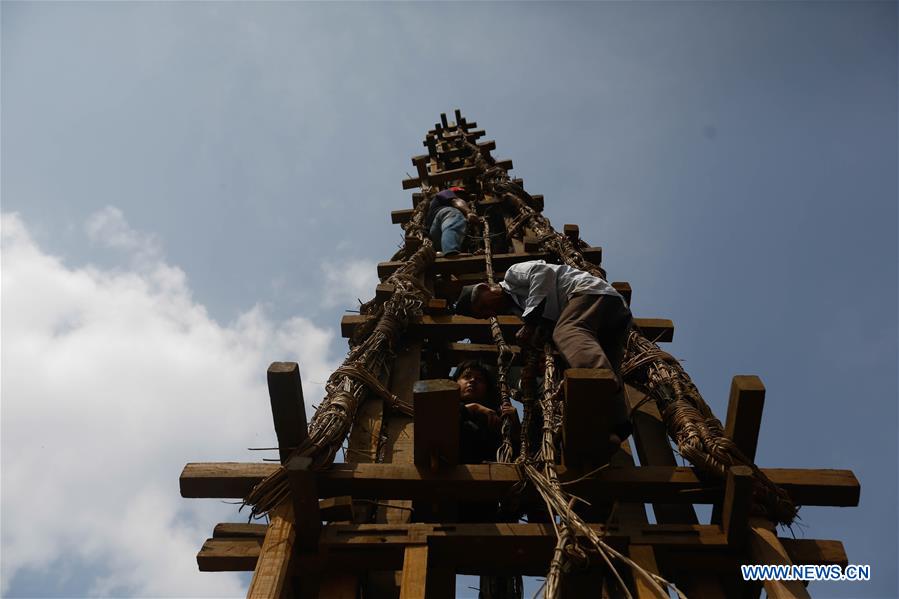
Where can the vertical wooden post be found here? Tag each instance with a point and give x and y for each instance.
(415, 572)
(436, 414)
(737, 503)
(744, 413)
(273, 566)
(304, 499)
(285, 392)
(589, 413)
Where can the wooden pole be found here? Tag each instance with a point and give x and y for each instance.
(273, 566)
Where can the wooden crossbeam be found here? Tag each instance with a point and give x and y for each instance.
(443, 176)
(453, 328)
(226, 554)
(476, 264)
(492, 481)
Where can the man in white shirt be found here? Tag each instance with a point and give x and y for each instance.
(589, 319)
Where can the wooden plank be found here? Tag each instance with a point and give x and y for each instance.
(236, 530)
(737, 503)
(572, 232)
(239, 554)
(744, 413)
(589, 415)
(815, 552)
(491, 481)
(436, 410)
(285, 392)
(766, 548)
(477, 264)
(273, 565)
(304, 501)
(230, 554)
(452, 328)
(442, 177)
(415, 572)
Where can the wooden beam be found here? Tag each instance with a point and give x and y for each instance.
(304, 500)
(436, 416)
(442, 177)
(766, 548)
(491, 481)
(744, 413)
(285, 392)
(477, 264)
(415, 572)
(737, 503)
(453, 328)
(572, 232)
(273, 565)
(589, 415)
(240, 554)
(815, 552)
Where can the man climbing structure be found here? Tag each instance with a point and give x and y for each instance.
(447, 221)
(588, 318)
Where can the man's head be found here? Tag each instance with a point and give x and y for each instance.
(475, 383)
(481, 300)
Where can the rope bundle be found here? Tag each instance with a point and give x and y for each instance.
(364, 371)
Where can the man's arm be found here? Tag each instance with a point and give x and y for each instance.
(462, 207)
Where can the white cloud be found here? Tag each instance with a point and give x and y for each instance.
(349, 281)
(112, 381)
(108, 227)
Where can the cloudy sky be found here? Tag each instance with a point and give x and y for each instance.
(193, 190)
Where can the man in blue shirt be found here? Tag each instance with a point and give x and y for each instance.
(447, 221)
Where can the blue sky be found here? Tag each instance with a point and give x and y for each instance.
(193, 190)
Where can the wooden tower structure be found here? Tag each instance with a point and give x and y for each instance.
(383, 523)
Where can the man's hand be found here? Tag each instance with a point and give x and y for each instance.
(473, 218)
(525, 334)
(493, 419)
(507, 409)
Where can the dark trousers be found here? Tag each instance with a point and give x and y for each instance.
(592, 330)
